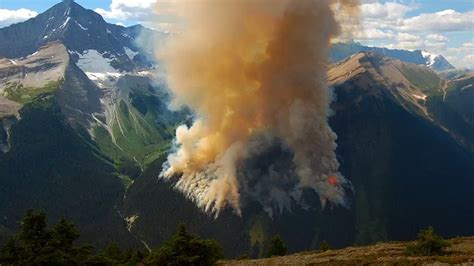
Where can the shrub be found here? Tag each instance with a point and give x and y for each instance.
(323, 246)
(427, 244)
(277, 247)
(243, 257)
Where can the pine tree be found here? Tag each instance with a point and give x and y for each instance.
(427, 244)
(10, 252)
(35, 239)
(277, 247)
(36, 244)
(186, 249)
(65, 233)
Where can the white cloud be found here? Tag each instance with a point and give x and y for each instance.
(390, 24)
(388, 10)
(157, 14)
(433, 42)
(437, 38)
(443, 21)
(8, 16)
(463, 56)
(127, 9)
(406, 37)
(374, 34)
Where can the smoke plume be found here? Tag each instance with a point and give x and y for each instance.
(250, 68)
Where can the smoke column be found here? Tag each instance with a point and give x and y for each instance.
(247, 68)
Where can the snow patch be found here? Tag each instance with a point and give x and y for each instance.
(466, 87)
(130, 221)
(71, 52)
(420, 97)
(430, 58)
(144, 73)
(97, 67)
(80, 26)
(33, 54)
(13, 62)
(45, 37)
(94, 76)
(95, 62)
(65, 22)
(130, 53)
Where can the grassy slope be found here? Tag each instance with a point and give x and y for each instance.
(142, 132)
(23, 95)
(423, 78)
(454, 111)
(462, 251)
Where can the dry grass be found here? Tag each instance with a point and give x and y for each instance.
(461, 253)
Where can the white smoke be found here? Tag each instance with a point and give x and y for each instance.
(253, 68)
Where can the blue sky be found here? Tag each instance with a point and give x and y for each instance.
(440, 26)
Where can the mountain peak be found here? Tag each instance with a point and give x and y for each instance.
(78, 28)
(436, 62)
(69, 4)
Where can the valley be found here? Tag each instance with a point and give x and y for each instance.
(85, 129)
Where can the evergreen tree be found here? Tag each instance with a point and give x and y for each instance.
(36, 244)
(65, 233)
(186, 249)
(35, 239)
(428, 244)
(33, 234)
(10, 252)
(277, 247)
(113, 254)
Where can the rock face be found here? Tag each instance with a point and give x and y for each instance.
(80, 116)
(85, 128)
(36, 70)
(78, 29)
(8, 108)
(398, 157)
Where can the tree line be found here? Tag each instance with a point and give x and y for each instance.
(37, 243)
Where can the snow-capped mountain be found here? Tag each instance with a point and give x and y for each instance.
(341, 51)
(80, 30)
(77, 93)
(98, 73)
(84, 130)
(437, 62)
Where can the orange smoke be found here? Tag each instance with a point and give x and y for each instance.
(247, 67)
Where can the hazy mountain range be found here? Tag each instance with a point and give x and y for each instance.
(418, 57)
(85, 128)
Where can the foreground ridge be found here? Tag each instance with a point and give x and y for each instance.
(392, 253)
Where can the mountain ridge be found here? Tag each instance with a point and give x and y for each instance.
(340, 51)
(94, 132)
